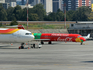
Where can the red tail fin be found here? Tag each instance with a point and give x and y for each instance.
(21, 27)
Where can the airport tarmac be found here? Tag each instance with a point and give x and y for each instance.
(58, 56)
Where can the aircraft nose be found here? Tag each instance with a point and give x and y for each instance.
(33, 36)
(81, 38)
(84, 39)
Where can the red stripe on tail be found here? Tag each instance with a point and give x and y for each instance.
(20, 27)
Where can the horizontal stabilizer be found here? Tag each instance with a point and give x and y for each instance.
(13, 26)
(18, 26)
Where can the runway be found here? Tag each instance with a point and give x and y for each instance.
(58, 56)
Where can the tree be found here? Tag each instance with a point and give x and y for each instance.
(81, 14)
(90, 17)
(24, 15)
(40, 11)
(59, 15)
(18, 12)
(14, 23)
(3, 13)
(10, 14)
(70, 15)
(33, 17)
(47, 18)
(52, 16)
(0, 5)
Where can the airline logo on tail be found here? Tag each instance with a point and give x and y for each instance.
(21, 27)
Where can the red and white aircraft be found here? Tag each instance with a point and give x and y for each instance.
(49, 37)
(9, 35)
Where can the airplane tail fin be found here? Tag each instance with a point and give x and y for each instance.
(21, 27)
(87, 37)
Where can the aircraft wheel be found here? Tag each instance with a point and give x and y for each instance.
(49, 42)
(22, 47)
(33, 45)
(81, 43)
(42, 42)
(19, 47)
(22, 44)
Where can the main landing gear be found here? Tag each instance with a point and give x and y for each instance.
(81, 43)
(22, 46)
(49, 42)
(42, 42)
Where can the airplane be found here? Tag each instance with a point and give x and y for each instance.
(10, 35)
(49, 37)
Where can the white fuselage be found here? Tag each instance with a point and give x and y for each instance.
(20, 36)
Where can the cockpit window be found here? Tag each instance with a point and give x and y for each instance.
(28, 34)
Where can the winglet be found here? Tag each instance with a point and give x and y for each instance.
(21, 27)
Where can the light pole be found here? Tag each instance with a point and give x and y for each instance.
(65, 15)
(27, 14)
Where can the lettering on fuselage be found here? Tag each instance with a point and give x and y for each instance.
(65, 39)
(59, 34)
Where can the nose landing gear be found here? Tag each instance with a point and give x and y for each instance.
(81, 43)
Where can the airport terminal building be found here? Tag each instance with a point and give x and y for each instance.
(83, 28)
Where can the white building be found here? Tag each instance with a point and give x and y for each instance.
(48, 6)
(13, 4)
(25, 6)
(37, 2)
(2, 1)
